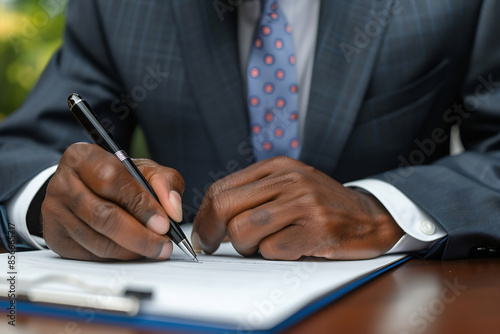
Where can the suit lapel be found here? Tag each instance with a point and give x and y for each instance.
(210, 48)
(339, 79)
(209, 42)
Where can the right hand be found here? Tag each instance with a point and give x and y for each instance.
(95, 210)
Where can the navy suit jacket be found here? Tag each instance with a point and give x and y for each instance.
(385, 92)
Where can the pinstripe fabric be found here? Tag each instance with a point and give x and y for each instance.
(172, 67)
(343, 95)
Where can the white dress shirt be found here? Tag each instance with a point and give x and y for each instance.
(303, 16)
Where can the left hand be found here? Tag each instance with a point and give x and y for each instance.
(286, 210)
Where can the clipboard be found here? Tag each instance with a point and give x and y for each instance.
(214, 303)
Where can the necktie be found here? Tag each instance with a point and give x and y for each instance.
(272, 86)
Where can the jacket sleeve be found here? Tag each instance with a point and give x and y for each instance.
(35, 136)
(462, 192)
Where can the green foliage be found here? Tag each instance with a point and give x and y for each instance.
(30, 32)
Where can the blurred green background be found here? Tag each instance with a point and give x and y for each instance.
(30, 32)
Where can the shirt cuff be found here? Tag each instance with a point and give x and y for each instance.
(422, 231)
(17, 207)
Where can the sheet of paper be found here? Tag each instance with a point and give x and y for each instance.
(224, 288)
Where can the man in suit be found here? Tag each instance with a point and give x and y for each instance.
(378, 85)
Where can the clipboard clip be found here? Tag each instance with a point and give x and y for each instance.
(121, 300)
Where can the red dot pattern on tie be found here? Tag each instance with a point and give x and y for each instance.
(278, 43)
(254, 101)
(272, 86)
(280, 103)
(268, 59)
(254, 72)
(280, 74)
(268, 117)
(268, 88)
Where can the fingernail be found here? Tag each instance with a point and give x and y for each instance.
(158, 224)
(195, 239)
(166, 250)
(175, 199)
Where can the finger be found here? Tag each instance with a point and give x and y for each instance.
(168, 185)
(78, 252)
(295, 241)
(252, 173)
(108, 178)
(248, 175)
(287, 244)
(108, 219)
(57, 237)
(210, 226)
(249, 228)
(95, 243)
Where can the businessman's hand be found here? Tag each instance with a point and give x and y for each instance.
(95, 210)
(286, 209)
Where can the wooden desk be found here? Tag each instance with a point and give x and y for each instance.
(417, 297)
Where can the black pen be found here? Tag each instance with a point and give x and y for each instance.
(89, 121)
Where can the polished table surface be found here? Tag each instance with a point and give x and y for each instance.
(419, 296)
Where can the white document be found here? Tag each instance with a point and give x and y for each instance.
(224, 290)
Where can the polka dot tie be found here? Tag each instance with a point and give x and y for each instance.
(272, 86)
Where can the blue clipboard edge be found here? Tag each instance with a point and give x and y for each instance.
(329, 298)
(156, 322)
